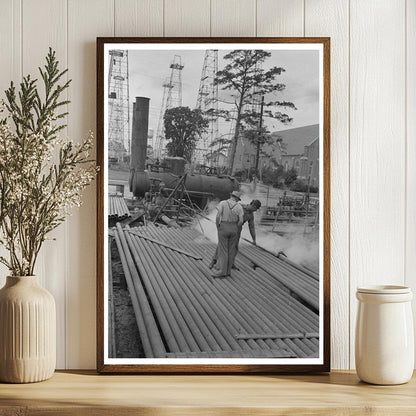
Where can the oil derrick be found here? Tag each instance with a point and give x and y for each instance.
(207, 102)
(118, 100)
(172, 97)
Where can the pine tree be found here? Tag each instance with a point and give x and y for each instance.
(244, 76)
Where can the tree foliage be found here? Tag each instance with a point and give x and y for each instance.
(259, 138)
(245, 78)
(290, 176)
(183, 127)
(278, 177)
(273, 176)
(220, 145)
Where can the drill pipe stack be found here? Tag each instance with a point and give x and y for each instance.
(250, 315)
(117, 207)
(303, 283)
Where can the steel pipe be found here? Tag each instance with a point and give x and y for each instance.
(188, 329)
(152, 342)
(166, 321)
(252, 293)
(253, 307)
(240, 316)
(184, 298)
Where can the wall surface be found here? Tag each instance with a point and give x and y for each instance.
(373, 132)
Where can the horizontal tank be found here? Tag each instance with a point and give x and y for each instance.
(218, 186)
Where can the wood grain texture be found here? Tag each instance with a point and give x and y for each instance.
(81, 285)
(377, 146)
(138, 17)
(233, 18)
(411, 149)
(10, 68)
(378, 242)
(10, 44)
(187, 18)
(338, 394)
(330, 18)
(280, 18)
(100, 205)
(325, 312)
(44, 26)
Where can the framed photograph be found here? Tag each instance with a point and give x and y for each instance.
(213, 205)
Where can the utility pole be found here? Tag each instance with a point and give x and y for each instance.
(259, 138)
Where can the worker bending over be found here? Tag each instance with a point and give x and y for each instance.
(248, 217)
(229, 219)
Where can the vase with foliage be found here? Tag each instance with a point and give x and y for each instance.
(42, 176)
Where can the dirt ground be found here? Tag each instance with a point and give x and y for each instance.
(128, 344)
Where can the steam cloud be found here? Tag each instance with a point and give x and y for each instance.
(297, 246)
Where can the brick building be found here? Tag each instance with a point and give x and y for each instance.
(293, 148)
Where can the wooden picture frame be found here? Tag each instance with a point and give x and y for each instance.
(258, 348)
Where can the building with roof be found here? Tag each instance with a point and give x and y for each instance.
(296, 148)
(309, 166)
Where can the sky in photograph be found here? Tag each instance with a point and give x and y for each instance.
(148, 69)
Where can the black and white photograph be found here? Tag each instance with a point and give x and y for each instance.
(213, 203)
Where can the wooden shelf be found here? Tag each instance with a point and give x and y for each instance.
(86, 393)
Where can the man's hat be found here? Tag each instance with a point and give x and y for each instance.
(236, 194)
(256, 203)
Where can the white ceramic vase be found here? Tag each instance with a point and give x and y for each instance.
(27, 331)
(384, 340)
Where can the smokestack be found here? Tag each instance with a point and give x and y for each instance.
(140, 127)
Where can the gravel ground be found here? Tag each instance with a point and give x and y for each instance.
(128, 343)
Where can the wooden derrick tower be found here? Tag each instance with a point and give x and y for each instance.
(207, 102)
(118, 105)
(172, 97)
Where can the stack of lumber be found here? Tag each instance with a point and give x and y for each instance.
(182, 312)
(117, 207)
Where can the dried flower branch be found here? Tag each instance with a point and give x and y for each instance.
(41, 175)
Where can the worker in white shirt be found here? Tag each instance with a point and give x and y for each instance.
(229, 219)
